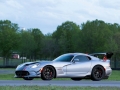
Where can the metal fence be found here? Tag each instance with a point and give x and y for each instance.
(15, 62)
(115, 64)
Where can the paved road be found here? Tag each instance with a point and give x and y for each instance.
(59, 83)
(7, 71)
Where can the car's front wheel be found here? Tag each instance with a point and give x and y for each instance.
(98, 73)
(48, 73)
(28, 78)
(76, 79)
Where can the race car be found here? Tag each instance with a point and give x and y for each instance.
(76, 66)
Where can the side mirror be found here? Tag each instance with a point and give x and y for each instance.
(76, 60)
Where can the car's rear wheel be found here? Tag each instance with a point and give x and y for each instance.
(48, 73)
(98, 73)
(28, 78)
(76, 79)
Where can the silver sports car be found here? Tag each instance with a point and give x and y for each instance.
(76, 66)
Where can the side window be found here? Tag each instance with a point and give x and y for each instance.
(82, 58)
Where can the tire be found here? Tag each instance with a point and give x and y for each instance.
(98, 73)
(76, 79)
(48, 73)
(28, 78)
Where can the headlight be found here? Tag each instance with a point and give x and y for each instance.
(35, 65)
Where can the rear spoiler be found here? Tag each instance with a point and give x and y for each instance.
(107, 55)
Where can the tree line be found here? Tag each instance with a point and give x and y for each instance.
(89, 37)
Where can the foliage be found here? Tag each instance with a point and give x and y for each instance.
(27, 44)
(67, 36)
(95, 36)
(49, 47)
(38, 37)
(9, 39)
(89, 37)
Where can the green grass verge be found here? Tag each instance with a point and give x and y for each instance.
(7, 68)
(55, 88)
(115, 76)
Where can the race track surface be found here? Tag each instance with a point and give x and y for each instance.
(7, 71)
(59, 83)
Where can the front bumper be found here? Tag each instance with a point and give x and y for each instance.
(21, 74)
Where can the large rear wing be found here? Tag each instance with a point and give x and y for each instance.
(104, 56)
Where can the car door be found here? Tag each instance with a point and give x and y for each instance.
(80, 65)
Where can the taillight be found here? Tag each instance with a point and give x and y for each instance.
(104, 58)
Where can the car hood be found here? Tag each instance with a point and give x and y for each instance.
(53, 63)
(29, 63)
(61, 64)
(44, 63)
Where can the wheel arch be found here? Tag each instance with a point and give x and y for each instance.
(53, 68)
(98, 65)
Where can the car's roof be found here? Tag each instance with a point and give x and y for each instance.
(76, 54)
(92, 57)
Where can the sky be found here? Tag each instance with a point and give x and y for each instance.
(47, 15)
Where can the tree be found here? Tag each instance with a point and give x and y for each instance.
(116, 37)
(8, 38)
(27, 44)
(38, 36)
(96, 36)
(67, 37)
(49, 47)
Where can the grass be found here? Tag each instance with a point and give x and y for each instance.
(55, 88)
(7, 68)
(115, 76)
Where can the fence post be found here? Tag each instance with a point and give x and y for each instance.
(115, 62)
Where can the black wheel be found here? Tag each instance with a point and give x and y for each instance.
(48, 73)
(28, 78)
(98, 73)
(76, 79)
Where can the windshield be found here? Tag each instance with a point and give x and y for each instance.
(64, 58)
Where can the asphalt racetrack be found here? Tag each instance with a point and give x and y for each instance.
(59, 83)
(7, 71)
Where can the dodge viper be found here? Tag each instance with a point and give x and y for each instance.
(76, 66)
